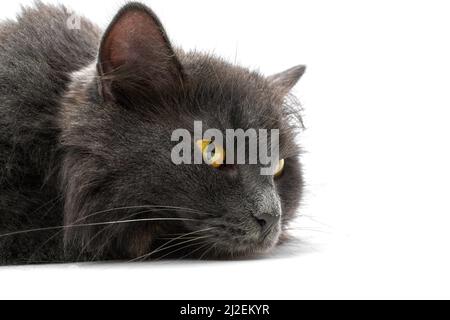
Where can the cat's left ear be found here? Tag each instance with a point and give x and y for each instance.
(286, 80)
(136, 57)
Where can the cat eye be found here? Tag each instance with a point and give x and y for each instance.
(279, 168)
(213, 153)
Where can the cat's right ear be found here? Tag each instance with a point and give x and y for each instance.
(136, 59)
(286, 80)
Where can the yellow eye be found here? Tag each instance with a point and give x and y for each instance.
(279, 169)
(213, 153)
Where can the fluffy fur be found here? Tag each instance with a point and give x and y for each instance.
(85, 133)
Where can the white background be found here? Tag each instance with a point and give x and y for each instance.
(376, 99)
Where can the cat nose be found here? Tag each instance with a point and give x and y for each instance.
(267, 220)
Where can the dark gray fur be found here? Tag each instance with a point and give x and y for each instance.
(68, 150)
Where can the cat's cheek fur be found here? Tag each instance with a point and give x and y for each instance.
(138, 241)
(290, 188)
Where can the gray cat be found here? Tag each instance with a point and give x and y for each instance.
(85, 145)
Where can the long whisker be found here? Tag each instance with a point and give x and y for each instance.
(92, 224)
(154, 208)
(180, 243)
(194, 251)
(207, 251)
(109, 226)
(168, 238)
(145, 256)
(145, 207)
(179, 249)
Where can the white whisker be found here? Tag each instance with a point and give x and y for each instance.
(194, 251)
(207, 251)
(182, 248)
(92, 224)
(145, 256)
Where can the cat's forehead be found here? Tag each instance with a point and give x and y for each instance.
(234, 95)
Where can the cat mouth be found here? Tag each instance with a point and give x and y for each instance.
(222, 239)
(254, 244)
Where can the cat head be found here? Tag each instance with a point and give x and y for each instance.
(117, 125)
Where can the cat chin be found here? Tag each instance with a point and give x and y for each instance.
(242, 253)
(226, 250)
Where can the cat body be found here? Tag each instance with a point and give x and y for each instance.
(37, 55)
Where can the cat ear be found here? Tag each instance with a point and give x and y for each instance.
(136, 57)
(286, 80)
